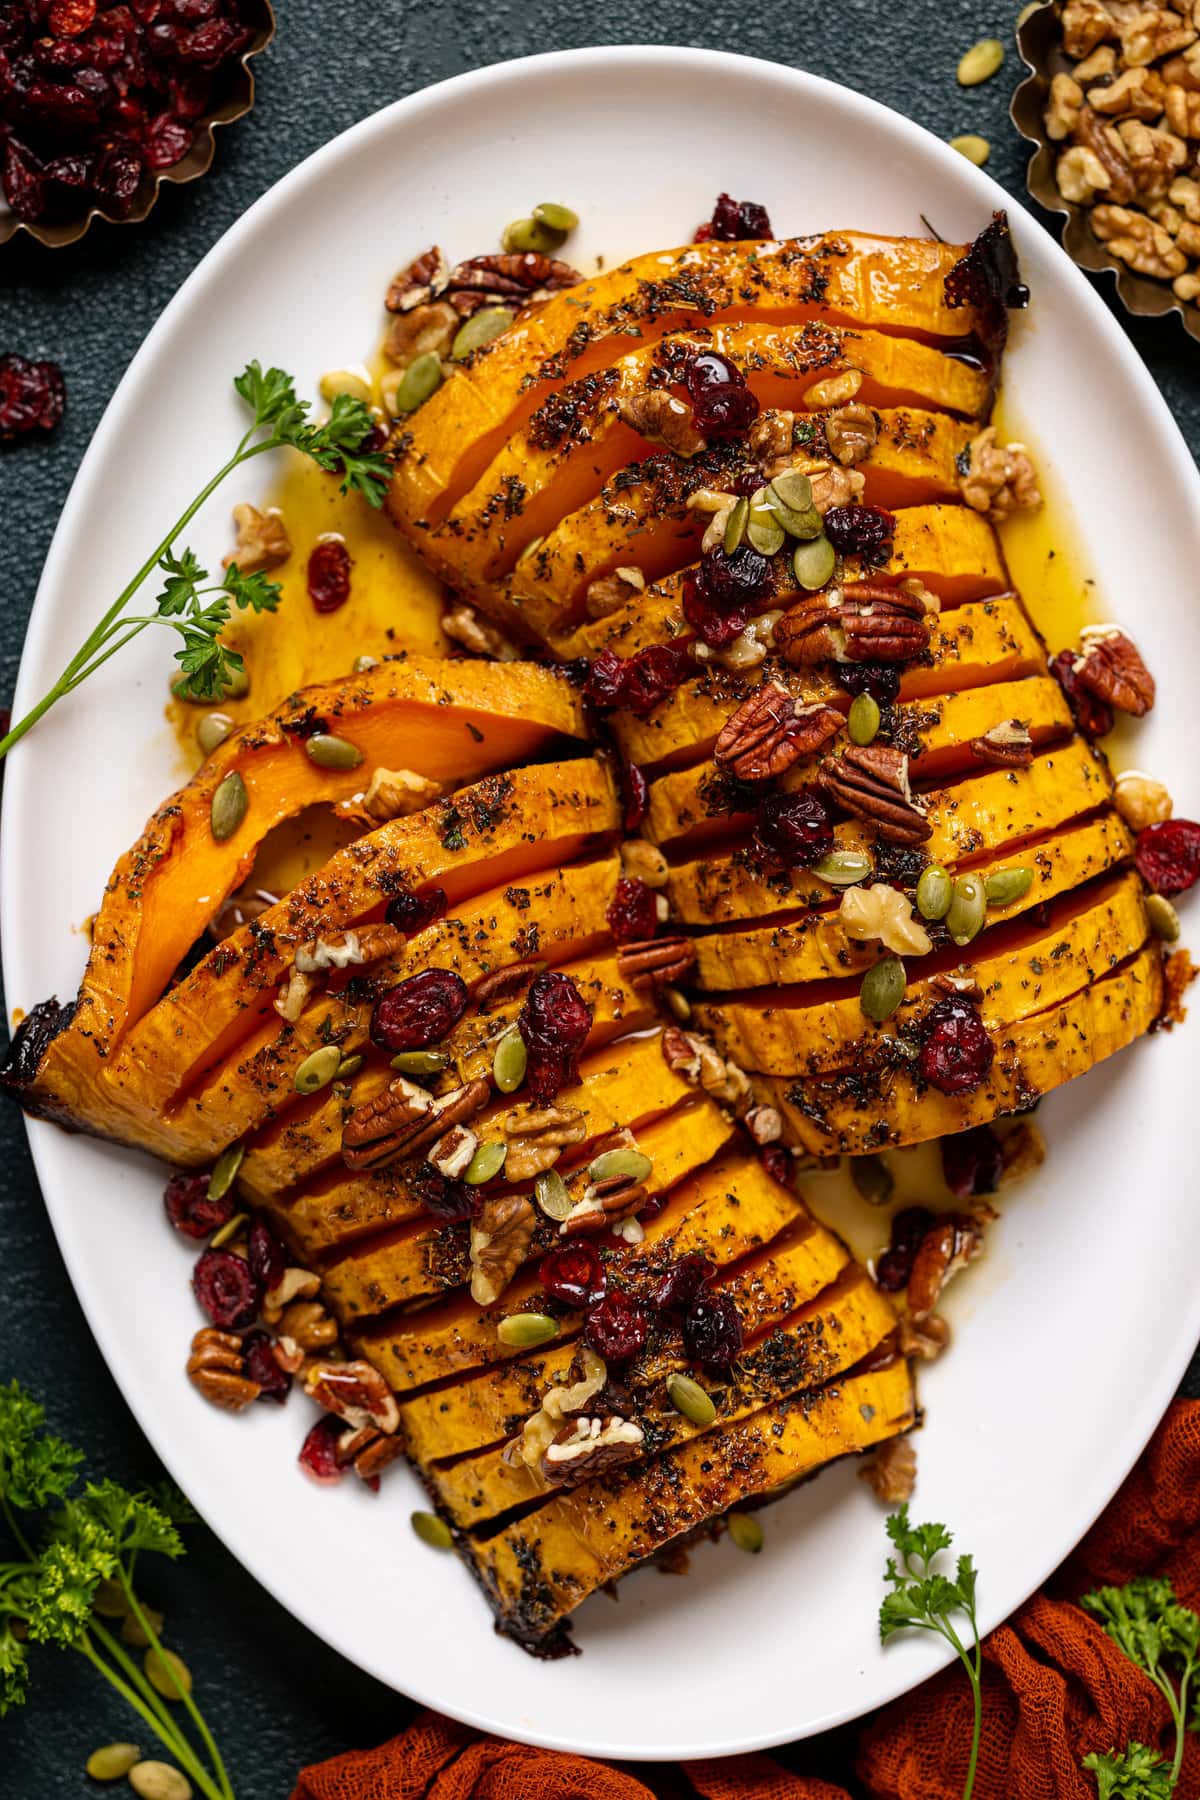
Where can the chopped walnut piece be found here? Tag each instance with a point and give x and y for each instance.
(1086, 23)
(891, 1471)
(562, 1401)
(500, 1240)
(589, 1447)
(1153, 32)
(765, 1124)
(1095, 133)
(1139, 92)
(661, 418)
(1080, 175)
(1062, 113)
(924, 1338)
(696, 1059)
(537, 1137)
(1102, 61)
(292, 997)
(852, 433)
(262, 539)
(469, 628)
(835, 390)
(1000, 479)
(1185, 193)
(883, 913)
(835, 487)
(395, 793)
(294, 1284)
(426, 330)
(216, 1368)
(770, 436)
(1155, 157)
(645, 862)
(608, 593)
(307, 1324)
(1186, 287)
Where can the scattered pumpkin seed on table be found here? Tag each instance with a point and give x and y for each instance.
(432, 1531)
(746, 1532)
(981, 62)
(159, 1781)
(167, 1674)
(111, 1761)
(525, 1331)
(318, 1069)
(134, 1632)
(976, 149)
(230, 803)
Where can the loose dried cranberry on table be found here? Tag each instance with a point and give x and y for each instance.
(275, 1383)
(410, 912)
(972, 1162)
(1168, 855)
(226, 1289)
(318, 1452)
(722, 404)
(329, 575)
(793, 830)
(189, 1208)
(266, 1255)
(573, 1274)
(33, 396)
(683, 1283)
(418, 1012)
(617, 1327)
(632, 911)
(880, 680)
(735, 221)
(712, 1331)
(894, 1266)
(1093, 715)
(956, 1051)
(859, 530)
(554, 1024)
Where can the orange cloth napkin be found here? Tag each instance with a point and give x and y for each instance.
(1055, 1687)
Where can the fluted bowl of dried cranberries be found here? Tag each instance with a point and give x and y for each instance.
(103, 100)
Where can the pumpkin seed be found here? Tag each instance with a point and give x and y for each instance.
(735, 525)
(236, 684)
(212, 730)
(763, 529)
(480, 329)
(1007, 885)
(111, 1600)
(167, 1674)
(229, 1230)
(793, 490)
(524, 1331)
(976, 149)
(332, 752)
(552, 1195)
(432, 1531)
(422, 378)
(229, 806)
(134, 1632)
(355, 381)
(863, 723)
(935, 890)
(486, 1163)
(349, 1065)
(420, 1062)
(318, 1069)
(556, 217)
(509, 1062)
(611, 1164)
(873, 1180)
(968, 908)
(524, 236)
(745, 1532)
(677, 1004)
(800, 520)
(1164, 920)
(843, 868)
(690, 1399)
(112, 1761)
(813, 563)
(981, 62)
(159, 1781)
(882, 989)
(224, 1170)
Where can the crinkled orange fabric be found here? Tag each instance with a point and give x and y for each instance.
(1054, 1688)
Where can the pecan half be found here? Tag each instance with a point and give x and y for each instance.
(537, 1137)
(1110, 666)
(468, 627)
(217, 1369)
(1008, 745)
(953, 1241)
(656, 962)
(769, 732)
(500, 1240)
(603, 1205)
(349, 949)
(451, 1155)
(696, 1059)
(368, 1451)
(871, 783)
(660, 417)
(502, 984)
(608, 593)
(425, 277)
(508, 275)
(891, 1473)
(355, 1391)
(956, 987)
(883, 624)
(765, 1124)
(588, 1447)
(810, 632)
(403, 1119)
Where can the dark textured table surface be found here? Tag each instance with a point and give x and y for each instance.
(274, 1694)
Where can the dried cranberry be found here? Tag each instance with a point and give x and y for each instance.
(189, 1208)
(778, 1164)
(318, 1452)
(735, 221)
(683, 1283)
(956, 1051)
(225, 1287)
(971, 1162)
(859, 530)
(411, 913)
(712, 1331)
(632, 911)
(793, 830)
(444, 1199)
(68, 18)
(165, 142)
(117, 179)
(419, 1011)
(554, 1024)
(573, 1274)
(329, 575)
(603, 686)
(722, 404)
(213, 42)
(715, 626)
(741, 580)
(1168, 855)
(637, 796)
(637, 682)
(275, 1383)
(617, 1328)
(880, 680)
(32, 396)
(1093, 715)
(266, 1255)
(894, 1266)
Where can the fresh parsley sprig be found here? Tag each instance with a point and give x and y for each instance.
(923, 1598)
(1162, 1637)
(1136, 1773)
(198, 613)
(63, 1544)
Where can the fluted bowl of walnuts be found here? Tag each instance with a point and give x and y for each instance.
(1112, 102)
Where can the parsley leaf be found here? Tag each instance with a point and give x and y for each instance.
(1137, 1773)
(1162, 1637)
(35, 1468)
(14, 1670)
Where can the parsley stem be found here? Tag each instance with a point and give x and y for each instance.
(114, 1648)
(196, 1715)
(172, 1739)
(10, 1519)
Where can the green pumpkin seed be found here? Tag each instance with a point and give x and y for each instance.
(677, 1004)
(976, 149)
(422, 377)
(480, 329)
(813, 563)
(531, 236)
(349, 1066)
(690, 1399)
(332, 752)
(153, 1780)
(843, 868)
(967, 910)
(735, 525)
(420, 1062)
(229, 806)
(745, 1532)
(232, 1228)
(432, 1531)
(112, 1761)
(1007, 885)
(1164, 920)
(763, 530)
(613, 1164)
(873, 1180)
(981, 62)
(552, 1195)
(935, 890)
(863, 722)
(212, 730)
(525, 1331)
(556, 217)
(134, 1632)
(224, 1170)
(111, 1600)
(167, 1674)
(509, 1062)
(486, 1163)
(882, 989)
(792, 490)
(318, 1069)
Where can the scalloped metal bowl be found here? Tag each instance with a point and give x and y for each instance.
(1039, 40)
(238, 99)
